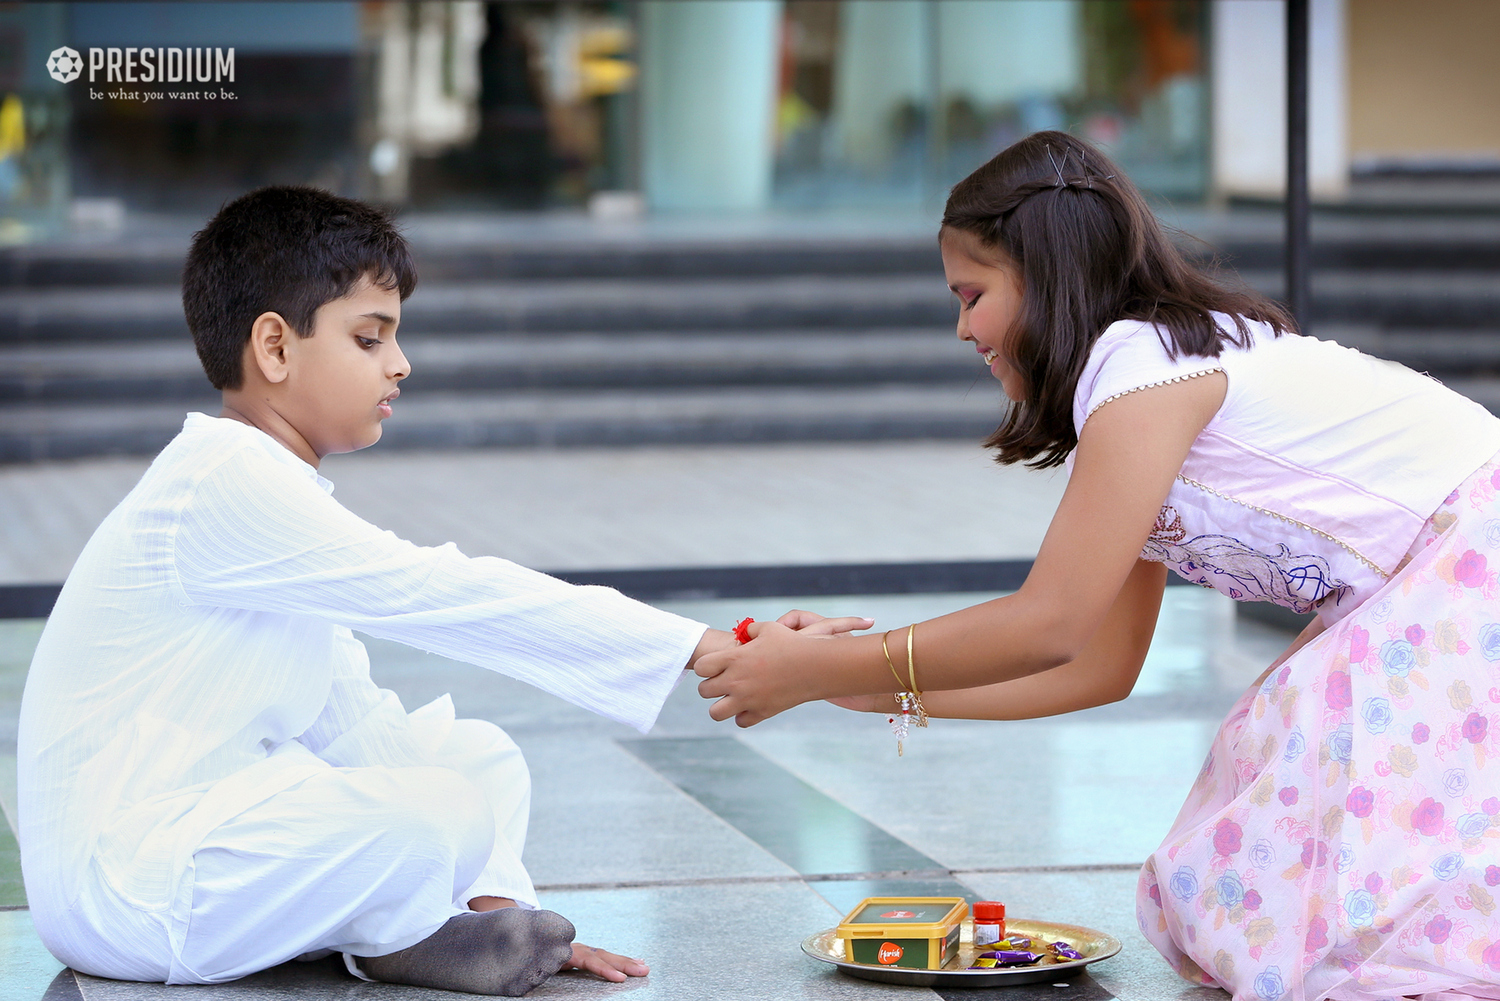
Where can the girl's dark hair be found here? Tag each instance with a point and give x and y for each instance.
(1089, 252)
(284, 250)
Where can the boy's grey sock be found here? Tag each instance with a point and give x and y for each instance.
(505, 952)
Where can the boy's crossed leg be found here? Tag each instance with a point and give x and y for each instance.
(376, 863)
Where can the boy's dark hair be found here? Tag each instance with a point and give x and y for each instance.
(284, 250)
(1089, 252)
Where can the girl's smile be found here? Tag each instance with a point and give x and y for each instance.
(989, 296)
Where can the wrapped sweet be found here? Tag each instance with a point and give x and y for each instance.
(1064, 952)
(1009, 957)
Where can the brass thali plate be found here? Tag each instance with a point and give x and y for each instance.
(827, 947)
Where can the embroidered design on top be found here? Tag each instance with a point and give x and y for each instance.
(1226, 564)
(1290, 521)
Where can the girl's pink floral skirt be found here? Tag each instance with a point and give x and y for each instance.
(1343, 838)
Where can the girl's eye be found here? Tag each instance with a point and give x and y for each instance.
(969, 303)
(368, 342)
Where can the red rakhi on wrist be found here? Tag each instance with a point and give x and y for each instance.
(742, 630)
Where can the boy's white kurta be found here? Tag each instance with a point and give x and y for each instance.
(210, 783)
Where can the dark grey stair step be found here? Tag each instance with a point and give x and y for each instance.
(54, 266)
(44, 315)
(170, 371)
(546, 418)
(1397, 242)
(1461, 352)
(1391, 298)
(165, 370)
(453, 250)
(1424, 300)
(559, 418)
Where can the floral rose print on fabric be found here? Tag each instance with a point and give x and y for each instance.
(1427, 818)
(1376, 712)
(1475, 728)
(1471, 570)
(1398, 657)
(1228, 837)
(1344, 835)
(1489, 641)
(1337, 693)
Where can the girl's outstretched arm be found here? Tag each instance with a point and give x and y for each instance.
(1104, 672)
(1129, 453)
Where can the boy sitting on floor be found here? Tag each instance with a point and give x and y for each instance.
(210, 783)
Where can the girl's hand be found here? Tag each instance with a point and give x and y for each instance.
(813, 624)
(608, 965)
(776, 670)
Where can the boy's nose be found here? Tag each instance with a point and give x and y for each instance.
(402, 368)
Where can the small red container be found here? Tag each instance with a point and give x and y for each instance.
(989, 922)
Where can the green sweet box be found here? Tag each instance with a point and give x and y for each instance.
(915, 932)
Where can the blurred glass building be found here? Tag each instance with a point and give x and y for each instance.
(715, 105)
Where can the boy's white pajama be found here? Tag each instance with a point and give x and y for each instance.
(211, 784)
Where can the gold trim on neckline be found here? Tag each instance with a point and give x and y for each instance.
(1153, 385)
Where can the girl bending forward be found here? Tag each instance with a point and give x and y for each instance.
(1343, 838)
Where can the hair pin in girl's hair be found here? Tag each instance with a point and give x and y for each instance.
(1060, 182)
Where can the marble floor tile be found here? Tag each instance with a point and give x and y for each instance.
(785, 816)
(594, 508)
(26, 967)
(1007, 794)
(8, 790)
(12, 893)
(600, 815)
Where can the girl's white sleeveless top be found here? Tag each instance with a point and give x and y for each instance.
(1309, 486)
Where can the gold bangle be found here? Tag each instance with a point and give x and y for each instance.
(911, 664)
(911, 671)
(886, 650)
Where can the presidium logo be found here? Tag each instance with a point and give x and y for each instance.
(147, 66)
(64, 64)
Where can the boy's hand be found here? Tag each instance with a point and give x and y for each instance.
(813, 624)
(608, 965)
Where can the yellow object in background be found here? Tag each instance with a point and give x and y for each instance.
(602, 75)
(12, 126)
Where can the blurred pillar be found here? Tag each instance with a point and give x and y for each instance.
(1248, 69)
(708, 92)
(1011, 51)
(881, 77)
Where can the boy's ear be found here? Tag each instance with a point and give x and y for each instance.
(269, 336)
